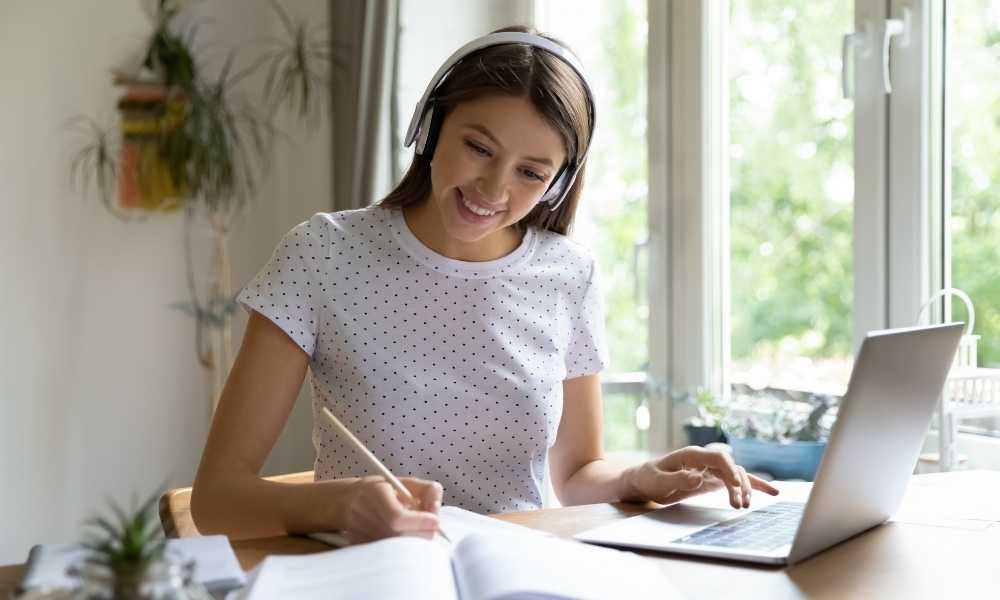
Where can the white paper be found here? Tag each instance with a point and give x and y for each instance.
(490, 560)
(400, 567)
(509, 566)
(457, 523)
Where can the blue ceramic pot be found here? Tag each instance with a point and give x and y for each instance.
(790, 460)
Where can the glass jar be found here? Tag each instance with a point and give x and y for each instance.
(160, 580)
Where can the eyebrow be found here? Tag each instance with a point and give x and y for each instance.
(483, 130)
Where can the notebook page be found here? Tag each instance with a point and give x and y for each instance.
(459, 523)
(514, 567)
(401, 567)
(456, 522)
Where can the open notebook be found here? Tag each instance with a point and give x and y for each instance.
(487, 559)
(482, 566)
(456, 522)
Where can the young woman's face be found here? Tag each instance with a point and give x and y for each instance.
(494, 159)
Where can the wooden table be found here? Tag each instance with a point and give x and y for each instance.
(945, 545)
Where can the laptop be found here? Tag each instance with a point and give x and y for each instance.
(873, 447)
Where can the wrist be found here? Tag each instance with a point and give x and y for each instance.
(627, 490)
(341, 495)
(317, 506)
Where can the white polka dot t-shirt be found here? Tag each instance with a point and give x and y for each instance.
(447, 370)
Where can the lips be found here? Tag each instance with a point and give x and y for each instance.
(469, 214)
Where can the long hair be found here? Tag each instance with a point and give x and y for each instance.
(552, 87)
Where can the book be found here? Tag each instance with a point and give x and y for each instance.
(456, 522)
(216, 566)
(485, 565)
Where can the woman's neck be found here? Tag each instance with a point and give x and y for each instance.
(425, 223)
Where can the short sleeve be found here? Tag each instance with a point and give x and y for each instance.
(587, 352)
(289, 290)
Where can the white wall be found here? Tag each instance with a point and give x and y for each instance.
(100, 392)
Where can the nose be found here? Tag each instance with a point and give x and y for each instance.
(492, 186)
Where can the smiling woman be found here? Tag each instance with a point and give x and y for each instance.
(453, 328)
(549, 132)
(481, 185)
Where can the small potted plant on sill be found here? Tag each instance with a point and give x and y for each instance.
(706, 427)
(786, 440)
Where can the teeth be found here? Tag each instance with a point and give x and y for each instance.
(479, 211)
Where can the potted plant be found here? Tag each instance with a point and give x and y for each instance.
(128, 560)
(706, 427)
(786, 439)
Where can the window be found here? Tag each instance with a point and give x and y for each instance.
(972, 124)
(791, 195)
(610, 38)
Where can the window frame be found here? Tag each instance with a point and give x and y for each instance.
(688, 219)
(899, 239)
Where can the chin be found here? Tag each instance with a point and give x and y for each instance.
(462, 232)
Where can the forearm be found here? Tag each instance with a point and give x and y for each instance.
(247, 506)
(595, 482)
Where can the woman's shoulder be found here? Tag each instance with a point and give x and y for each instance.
(345, 223)
(556, 247)
(348, 218)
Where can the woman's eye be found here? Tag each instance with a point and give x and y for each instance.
(478, 149)
(533, 175)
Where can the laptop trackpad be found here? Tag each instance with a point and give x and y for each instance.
(659, 526)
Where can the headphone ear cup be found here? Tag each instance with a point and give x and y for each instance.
(430, 126)
(424, 131)
(555, 190)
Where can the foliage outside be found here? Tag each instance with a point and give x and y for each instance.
(974, 61)
(611, 219)
(791, 191)
(791, 138)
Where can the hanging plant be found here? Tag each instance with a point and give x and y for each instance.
(191, 141)
(190, 138)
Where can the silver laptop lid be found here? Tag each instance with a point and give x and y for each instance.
(895, 385)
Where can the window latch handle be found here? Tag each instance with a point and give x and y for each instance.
(857, 43)
(894, 27)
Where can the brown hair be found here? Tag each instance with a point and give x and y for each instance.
(552, 86)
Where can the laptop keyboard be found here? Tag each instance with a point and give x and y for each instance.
(763, 529)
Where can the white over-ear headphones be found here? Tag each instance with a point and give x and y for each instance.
(426, 120)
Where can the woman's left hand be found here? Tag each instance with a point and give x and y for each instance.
(691, 471)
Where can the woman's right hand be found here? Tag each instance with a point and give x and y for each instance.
(373, 510)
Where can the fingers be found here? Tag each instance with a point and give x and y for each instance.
(722, 466)
(428, 494)
(378, 511)
(399, 519)
(745, 489)
(740, 484)
(759, 484)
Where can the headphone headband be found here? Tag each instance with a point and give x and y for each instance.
(420, 123)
